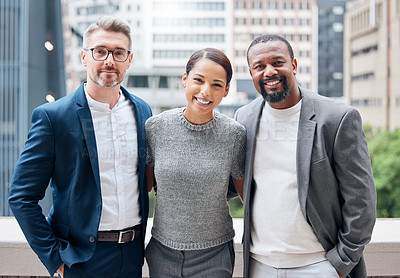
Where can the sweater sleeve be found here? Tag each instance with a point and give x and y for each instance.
(150, 141)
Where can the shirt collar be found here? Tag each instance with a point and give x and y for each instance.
(101, 105)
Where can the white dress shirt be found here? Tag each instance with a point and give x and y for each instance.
(117, 149)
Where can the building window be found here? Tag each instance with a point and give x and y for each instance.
(272, 21)
(241, 21)
(362, 102)
(304, 5)
(289, 37)
(138, 81)
(163, 82)
(363, 76)
(337, 27)
(364, 50)
(288, 5)
(256, 21)
(272, 5)
(191, 22)
(256, 5)
(240, 4)
(304, 70)
(337, 10)
(188, 38)
(304, 21)
(288, 21)
(304, 37)
(172, 54)
(190, 6)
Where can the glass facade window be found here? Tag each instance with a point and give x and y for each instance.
(138, 81)
(98, 10)
(172, 54)
(189, 6)
(272, 5)
(257, 21)
(304, 5)
(255, 5)
(288, 6)
(240, 4)
(363, 76)
(241, 21)
(288, 21)
(289, 37)
(304, 21)
(273, 21)
(337, 27)
(163, 82)
(191, 22)
(27, 73)
(304, 37)
(188, 38)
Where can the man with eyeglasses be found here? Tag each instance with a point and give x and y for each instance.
(90, 146)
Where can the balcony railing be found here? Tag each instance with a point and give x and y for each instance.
(382, 254)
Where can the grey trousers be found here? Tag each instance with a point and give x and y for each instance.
(165, 262)
(322, 269)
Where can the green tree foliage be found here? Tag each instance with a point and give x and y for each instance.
(384, 148)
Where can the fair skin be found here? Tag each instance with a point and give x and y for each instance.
(104, 77)
(206, 86)
(270, 61)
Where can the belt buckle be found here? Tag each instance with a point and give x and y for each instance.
(121, 233)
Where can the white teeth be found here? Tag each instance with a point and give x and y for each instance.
(202, 101)
(271, 83)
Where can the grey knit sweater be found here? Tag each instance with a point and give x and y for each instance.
(192, 165)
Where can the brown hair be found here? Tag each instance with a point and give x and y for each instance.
(214, 55)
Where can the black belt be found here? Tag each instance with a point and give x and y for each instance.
(122, 236)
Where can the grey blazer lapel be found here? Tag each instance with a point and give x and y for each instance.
(305, 140)
(252, 123)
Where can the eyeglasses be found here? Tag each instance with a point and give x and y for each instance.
(101, 54)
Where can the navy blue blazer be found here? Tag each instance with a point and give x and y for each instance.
(61, 149)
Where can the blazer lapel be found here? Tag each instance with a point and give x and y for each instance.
(252, 126)
(305, 140)
(85, 118)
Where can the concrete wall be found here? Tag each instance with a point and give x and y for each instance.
(382, 254)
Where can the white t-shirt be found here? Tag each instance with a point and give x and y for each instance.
(281, 237)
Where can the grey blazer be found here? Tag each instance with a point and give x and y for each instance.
(335, 182)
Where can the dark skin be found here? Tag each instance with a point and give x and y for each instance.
(269, 62)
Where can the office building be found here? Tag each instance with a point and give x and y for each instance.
(165, 34)
(330, 47)
(31, 73)
(296, 20)
(371, 53)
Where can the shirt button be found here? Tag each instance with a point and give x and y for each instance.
(98, 207)
(92, 239)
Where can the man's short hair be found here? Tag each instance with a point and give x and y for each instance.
(108, 23)
(268, 38)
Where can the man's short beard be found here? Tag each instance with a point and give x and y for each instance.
(275, 97)
(97, 80)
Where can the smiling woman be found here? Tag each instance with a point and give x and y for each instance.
(192, 153)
